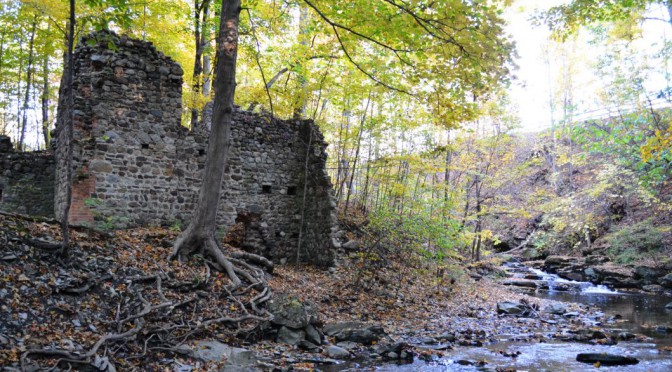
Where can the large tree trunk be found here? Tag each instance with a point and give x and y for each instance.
(302, 98)
(207, 64)
(342, 174)
(2, 53)
(446, 179)
(45, 99)
(19, 106)
(201, 11)
(200, 234)
(69, 128)
(29, 78)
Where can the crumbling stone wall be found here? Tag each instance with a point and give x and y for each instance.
(134, 164)
(26, 181)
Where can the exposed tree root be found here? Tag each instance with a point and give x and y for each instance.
(83, 357)
(159, 307)
(212, 249)
(255, 259)
(235, 267)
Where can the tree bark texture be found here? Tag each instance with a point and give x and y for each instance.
(45, 100)
(29, 78)
(201, 11)
(69, 128)
(200, 234)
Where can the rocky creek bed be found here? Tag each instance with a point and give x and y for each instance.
(569, 326)
(490, 329)
(350, 317)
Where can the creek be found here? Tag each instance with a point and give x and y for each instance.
(628, 312)
(639, 313)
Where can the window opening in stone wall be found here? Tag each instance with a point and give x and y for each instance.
(201, 152)
(291, 190)
(145, 145)
(266, 189)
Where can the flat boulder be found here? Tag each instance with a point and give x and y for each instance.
(596, 260)
(358, 332)
(653, 288)
(617, 276)
(648, 273)
(337, 352)
(606, 359)
(214, 351)
(571, 275)
(556, 309)
(560, 261)
(609, 270)
(518, 282)
(512, 308)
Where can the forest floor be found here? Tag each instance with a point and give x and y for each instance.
(52, 311)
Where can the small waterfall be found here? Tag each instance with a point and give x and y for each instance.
(584, 287)
(600, 288)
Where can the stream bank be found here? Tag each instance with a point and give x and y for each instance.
(492, 327)
(419, 320)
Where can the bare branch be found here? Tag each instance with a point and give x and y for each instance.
(370, 76)
(337, 25)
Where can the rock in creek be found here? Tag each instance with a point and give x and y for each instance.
(555, 262)
(653, 288)
(606, 359)
(666, 281)
(648, 274)
(290, 336)
(556, 309)
(358, 332)
(237, 359)
(514, 308)
(526, 283)
(307, 345)
(337, 352)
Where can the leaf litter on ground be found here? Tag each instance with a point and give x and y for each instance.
(70, 306)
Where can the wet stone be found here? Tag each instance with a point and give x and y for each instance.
(337, 352)
(606, 359)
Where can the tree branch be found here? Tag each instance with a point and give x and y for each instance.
(369, 75)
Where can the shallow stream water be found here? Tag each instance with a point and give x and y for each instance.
(632, 312)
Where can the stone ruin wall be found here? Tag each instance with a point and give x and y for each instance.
(134, 164)
(26, 181)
